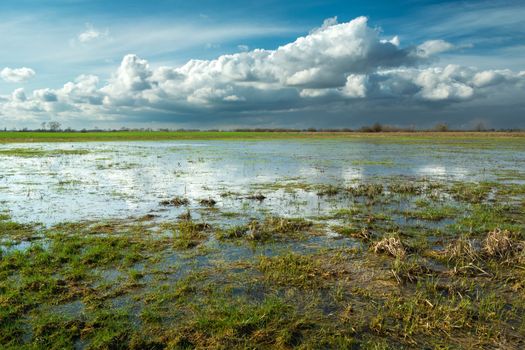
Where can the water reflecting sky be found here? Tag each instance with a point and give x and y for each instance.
(123, 179)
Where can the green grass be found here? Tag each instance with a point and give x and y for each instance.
(464, 139)
(303, 271)
(34, 152)
(271, 229)
(432, 211)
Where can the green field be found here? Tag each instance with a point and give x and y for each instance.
(13, 136)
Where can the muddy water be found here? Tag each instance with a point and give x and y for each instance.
(129, 179)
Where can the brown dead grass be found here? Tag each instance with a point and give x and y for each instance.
(499, 244)
(390, 245)
(463, 250)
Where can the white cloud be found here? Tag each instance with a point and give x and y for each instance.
(91, 33)
(332, 21)
(234, 98)
(394, 41)
(337, 63)
(355, 85)
(45, 95)
(17, 75)
(19, 95)
(451, 83)
(491, 77)
(127, 84)
(433, 47)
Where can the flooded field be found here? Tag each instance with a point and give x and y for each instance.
(326, 243)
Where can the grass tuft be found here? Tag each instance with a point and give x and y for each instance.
(391, 246)
(501, 244)
(175, 202)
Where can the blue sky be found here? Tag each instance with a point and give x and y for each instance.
(58, 41)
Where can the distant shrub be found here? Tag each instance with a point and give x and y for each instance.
(441, 127)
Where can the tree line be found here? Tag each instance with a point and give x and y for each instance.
(55, 126)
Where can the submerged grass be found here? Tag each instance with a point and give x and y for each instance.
(35, 152)
(303, 271)
(187, 234)
(270, 229)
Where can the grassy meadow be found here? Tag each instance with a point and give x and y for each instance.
(35, 136)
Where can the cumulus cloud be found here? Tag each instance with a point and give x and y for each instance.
(45, 95)
(355, 86)
(336, 63)
(17, 75)
(451, 83)
(19, 95)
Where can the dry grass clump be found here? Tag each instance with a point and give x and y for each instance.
(501, 244)
(392, 246)
(370, 190)
(328, 190)
(363, 234)
(462, 250)
(470, 254)
(208, 202)
(185, 216)
(258, 196)
(271, 228)
(409, 270)
(233, 232)
(176, 202)
(405, 188)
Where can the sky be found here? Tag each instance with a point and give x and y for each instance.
(262, 64)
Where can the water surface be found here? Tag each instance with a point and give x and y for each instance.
(129, 179)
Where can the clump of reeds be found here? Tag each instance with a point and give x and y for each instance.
(269, 228)
(462, 250)
(363, 234)
(208, 202)
(187, 234)
(409, 270)
(328, 190)
(260, 197)
(501, 244)
(176, 202)
(405, 188)
(185, 215)
(370, 190)
(233, 232)
(390, 245)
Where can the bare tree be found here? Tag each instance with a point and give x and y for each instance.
(54, 126)
(377, 127)
(442, 127)
(43, 125)
(480, 127)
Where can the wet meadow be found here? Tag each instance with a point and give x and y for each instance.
(321, 242)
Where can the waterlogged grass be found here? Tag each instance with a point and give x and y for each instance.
(270, 229)
(427, 210)
(35, 152)
(413, 264)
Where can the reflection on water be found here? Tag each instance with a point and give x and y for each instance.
(123, 179)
